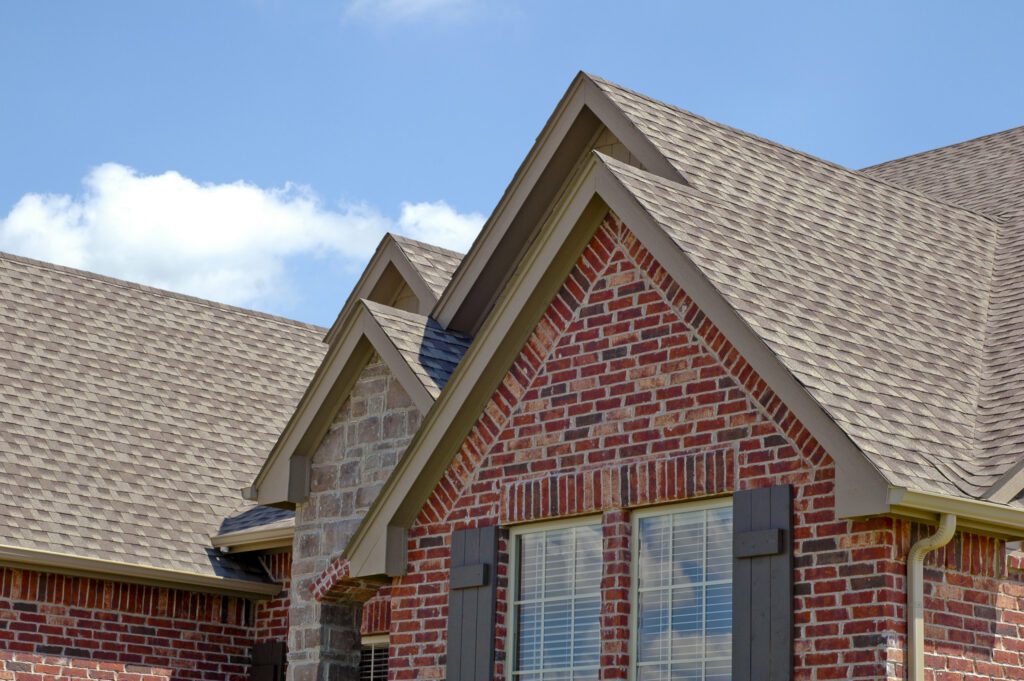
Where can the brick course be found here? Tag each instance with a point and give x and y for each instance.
(56, 626)
(625, 394)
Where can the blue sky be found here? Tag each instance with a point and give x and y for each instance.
(253, 151)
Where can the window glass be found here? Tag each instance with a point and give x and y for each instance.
(557, 604)
(683, 595)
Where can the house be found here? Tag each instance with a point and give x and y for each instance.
(129, 419)
(694, 405)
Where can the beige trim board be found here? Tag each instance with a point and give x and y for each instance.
(985, 517)
(580, 115)
(275, 536)
(377, 283)
(352, 348)
(64, 563)
(861, 488)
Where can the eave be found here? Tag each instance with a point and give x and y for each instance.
(277, 535)
(283, 479)
(546, 172)
(861, 488)
(63, 563)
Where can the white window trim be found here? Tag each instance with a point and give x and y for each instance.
(512, 591)
(636, 515)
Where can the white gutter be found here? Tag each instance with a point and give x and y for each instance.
(915, 593)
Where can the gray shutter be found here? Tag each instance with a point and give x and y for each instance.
(762, 607)
(471, 601)
(268, 661)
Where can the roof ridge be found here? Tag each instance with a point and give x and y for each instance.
(944, 147)
(401, 238)
(164, 293)
(778, 145)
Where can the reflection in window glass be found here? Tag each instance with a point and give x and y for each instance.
(684, 595)
(557, 604)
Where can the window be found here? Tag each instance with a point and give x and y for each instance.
(682, 593)
(373, 658)
(556, 602)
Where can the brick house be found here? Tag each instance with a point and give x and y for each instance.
(695, 405)
(129, 419)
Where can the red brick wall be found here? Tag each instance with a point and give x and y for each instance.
(74, 627)
(626, 395)
(271, 619)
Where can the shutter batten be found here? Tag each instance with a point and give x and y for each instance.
(763, 584)
(471, 603)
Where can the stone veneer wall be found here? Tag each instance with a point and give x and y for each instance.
(369, 434)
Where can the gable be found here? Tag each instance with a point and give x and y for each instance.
(623, 367)
(585, 119)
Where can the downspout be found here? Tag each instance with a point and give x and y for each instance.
(915, 593)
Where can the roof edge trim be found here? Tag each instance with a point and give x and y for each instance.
(389, 252)
(277, 535)
(862, 490)
(65, 563)
(982, 516)
(583, 97)
(330, 385)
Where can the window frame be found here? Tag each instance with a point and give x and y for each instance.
(636, 515)
(376, 641)
(512, 591)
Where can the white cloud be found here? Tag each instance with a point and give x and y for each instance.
(438, 223)
(227, 242)
(398, 11)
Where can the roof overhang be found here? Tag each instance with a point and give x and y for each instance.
(548, 170)
(68, 564)
(381, 281)
(276, 535)
(378, 545)
(283, 479)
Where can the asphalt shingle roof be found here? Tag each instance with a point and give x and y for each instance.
(435, 264)
(431, 351)
(131, 417)
(986, 175)
(881, 300)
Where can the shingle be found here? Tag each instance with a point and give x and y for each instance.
(130, 417)
(435, 264)
(431, 351)
(887, 304)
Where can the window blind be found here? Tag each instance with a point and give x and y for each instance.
(557, 604)
(683, 595)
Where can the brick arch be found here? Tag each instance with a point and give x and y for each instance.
(593, 301)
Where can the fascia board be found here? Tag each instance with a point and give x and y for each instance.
(275, 468)
(397, 363)
(388, 252)
(1008, 486)
(68, 564)
(982, 516)
(861, 489)
(582, 93)
(276, 535)
(331, 385)
(443, 427)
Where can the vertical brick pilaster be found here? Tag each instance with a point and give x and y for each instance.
(616, 529)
